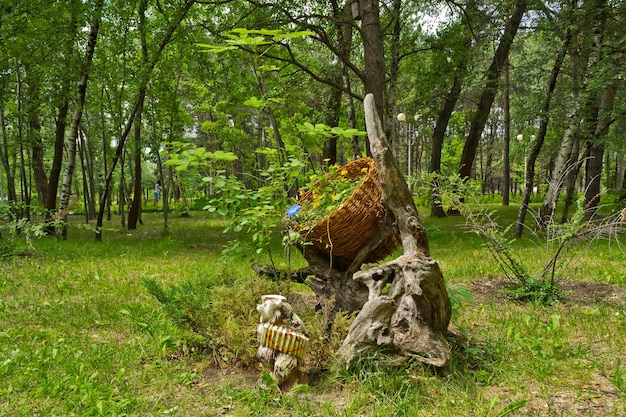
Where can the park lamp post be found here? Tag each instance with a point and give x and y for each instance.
(411, 134)
(520, 139)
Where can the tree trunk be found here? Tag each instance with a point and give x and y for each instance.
(83, 168)
(4, 155)
(57, 163)
(506, 165)
(36, 145)
(541, 135)
(559, 174)
(373, 52)
(334, 107)
(436, 208)
(345, 45)
(571, 177)
(490, 90)
(139, 99)
(412, 318)
(68, 175)
(135, 208)
(593, 165)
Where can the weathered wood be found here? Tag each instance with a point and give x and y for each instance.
(412, 318)
(403, 304)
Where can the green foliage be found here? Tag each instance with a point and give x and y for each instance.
(458, 297)
(183, 155)
(252, 38)
(220, 312)
(326, 193)
(528, 286)
(533, 290)
(15, 229)
(323, 131)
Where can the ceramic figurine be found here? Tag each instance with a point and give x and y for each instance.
(283, 340)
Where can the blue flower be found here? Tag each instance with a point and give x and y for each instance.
(293, 210)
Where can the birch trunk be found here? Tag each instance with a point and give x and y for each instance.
(70, 165)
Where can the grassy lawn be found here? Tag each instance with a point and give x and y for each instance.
(81, 335)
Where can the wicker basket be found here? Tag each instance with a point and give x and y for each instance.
(355, 221)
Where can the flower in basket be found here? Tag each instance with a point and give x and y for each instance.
(341, 211)
(323, 195)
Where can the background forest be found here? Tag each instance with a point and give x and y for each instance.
(96, 96)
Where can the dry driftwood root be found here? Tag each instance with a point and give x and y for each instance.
(412, 317)
(407, 313)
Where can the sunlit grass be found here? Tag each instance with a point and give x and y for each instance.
(81, 335)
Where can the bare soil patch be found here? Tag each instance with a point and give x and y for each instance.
(580, 293)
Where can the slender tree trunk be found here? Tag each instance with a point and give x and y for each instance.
(541, 135)
(4, 155)
(345, 46)
(373, 53)
(490, 90)
(572, 176)
(121, 203)
(81, 153)
(391, 82)
(68, 174)
(138, 100)
(619, 170)
(89, 162)
(334, 107)
(506, 165)
(593, 165)
(559, 173)
(436, 208)
(24, 186)
(57, 163)
(135, 208)
(36, 144)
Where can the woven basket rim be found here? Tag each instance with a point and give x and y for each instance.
(372, 170)
(353, 222)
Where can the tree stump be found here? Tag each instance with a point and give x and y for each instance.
(403, 304)
(411, 318)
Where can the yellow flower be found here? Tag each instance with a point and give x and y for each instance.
(344, 172)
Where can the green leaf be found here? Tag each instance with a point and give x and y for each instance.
(269, 68)
(215, 49)
(254, 102)
(173, 162)
(245, 32)
(245, 41)
(298, 34)
(223, 211)
(224, 156)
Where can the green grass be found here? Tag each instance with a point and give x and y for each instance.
(81, 335)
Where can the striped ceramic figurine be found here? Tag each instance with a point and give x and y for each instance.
(283, 340)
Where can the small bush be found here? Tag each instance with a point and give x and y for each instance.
(540, 291)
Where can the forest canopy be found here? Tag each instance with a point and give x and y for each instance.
(526, 98)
